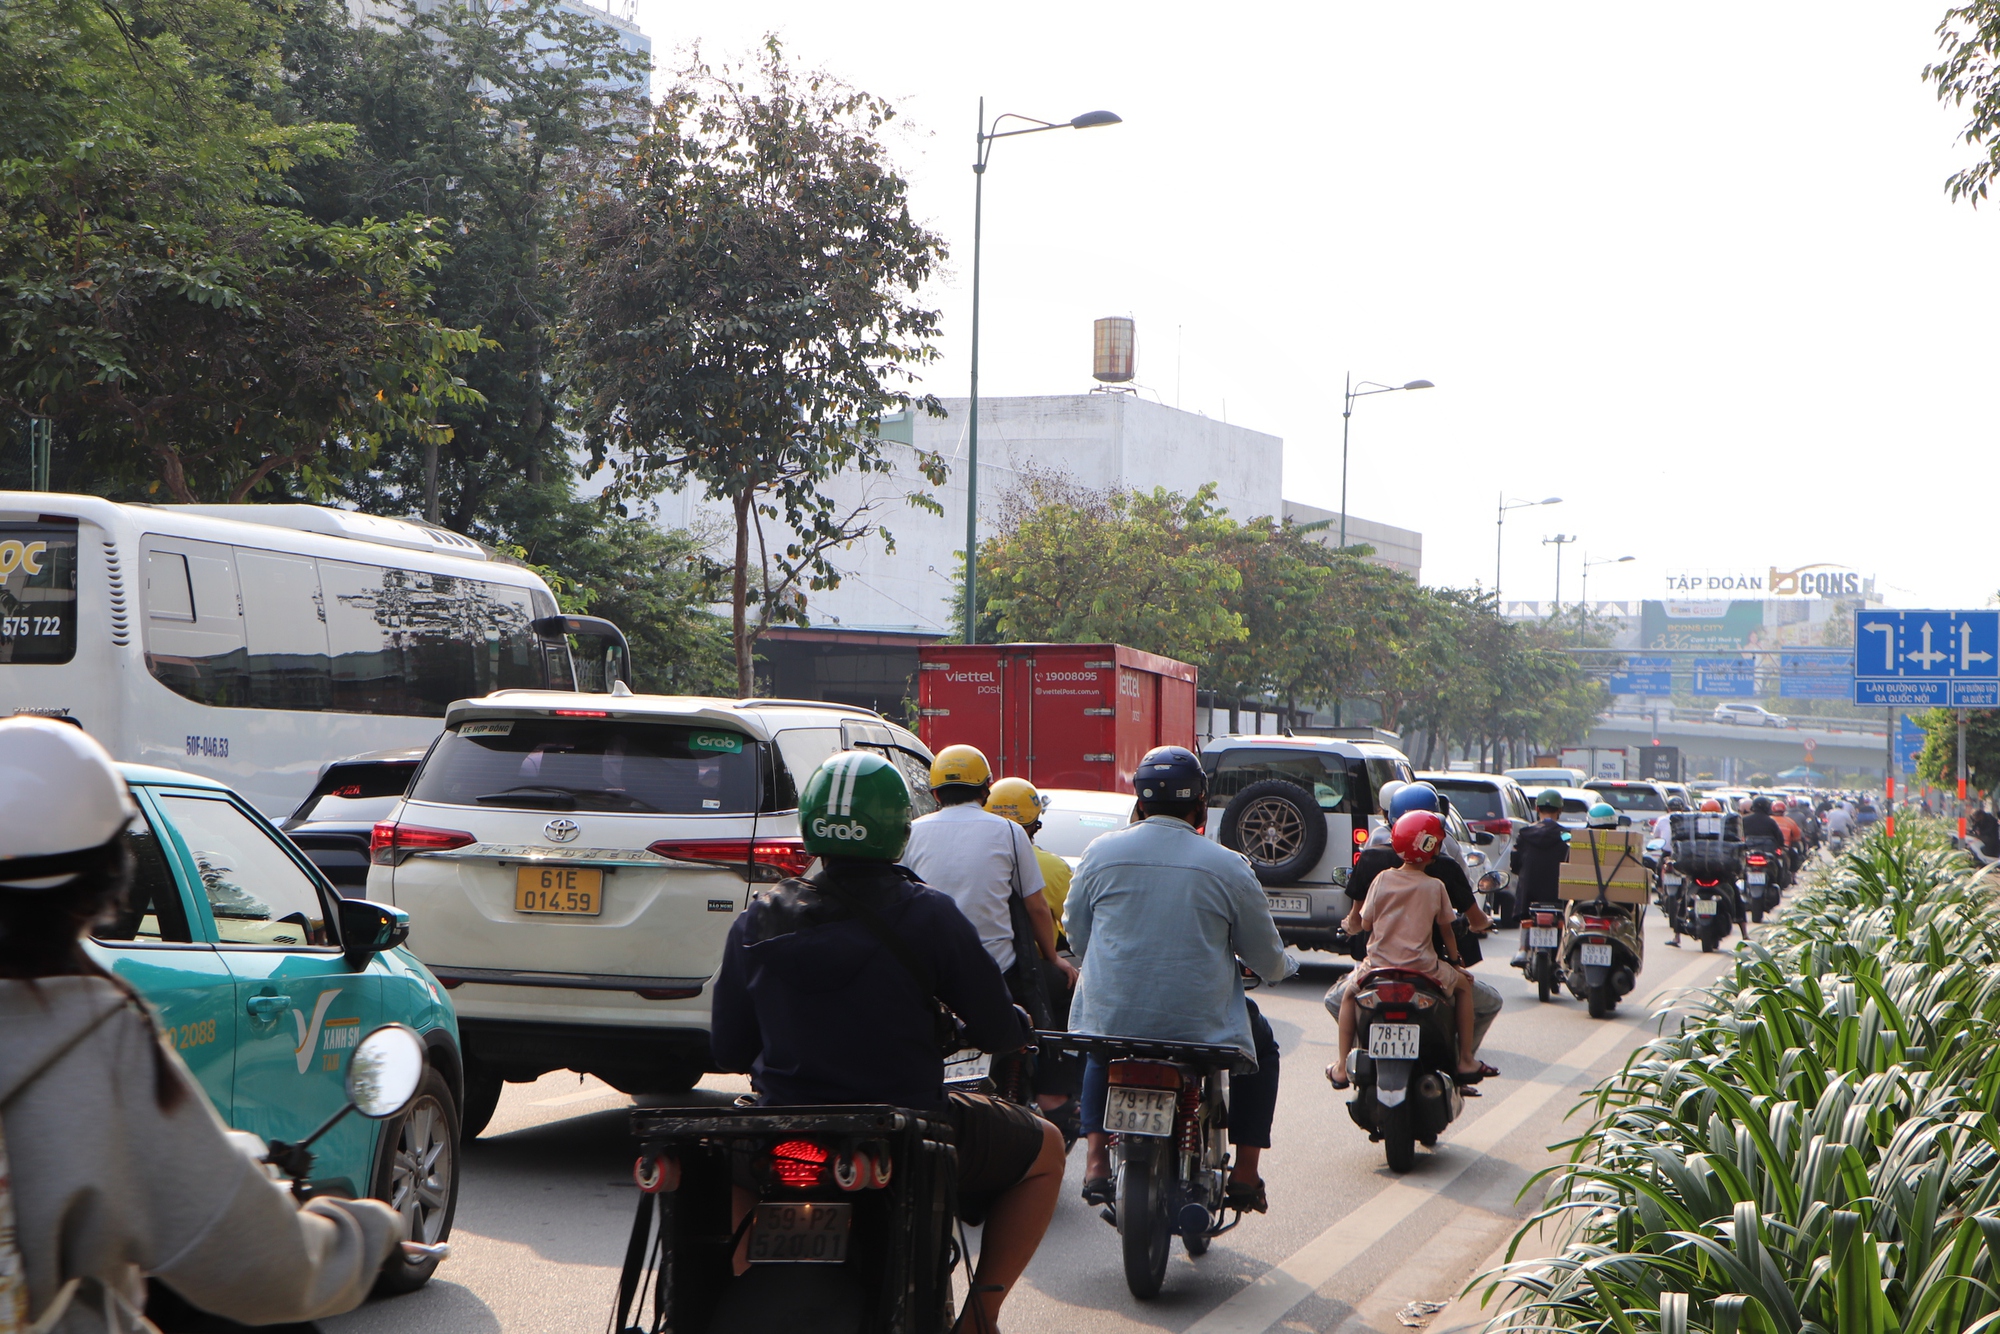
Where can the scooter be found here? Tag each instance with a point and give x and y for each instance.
(1762, 877)
(1710, 909)
(1542, 925)
(1406, 1051)
(1604, 949)
(1167, 1110)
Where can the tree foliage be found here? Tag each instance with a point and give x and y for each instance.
(1937, 762)
(1969, 71)
(743, 316)
(184, 327)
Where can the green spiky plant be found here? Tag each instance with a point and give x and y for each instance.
(1816, 1149)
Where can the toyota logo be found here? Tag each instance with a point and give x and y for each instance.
(560, 831)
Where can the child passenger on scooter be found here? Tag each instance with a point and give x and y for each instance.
(1402, 906)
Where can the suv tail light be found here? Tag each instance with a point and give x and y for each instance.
(1497, 828)
(390, 843)
(785, 856)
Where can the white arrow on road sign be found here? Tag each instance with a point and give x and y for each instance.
(1966, 657)
(1930, 657)
(1888, 633)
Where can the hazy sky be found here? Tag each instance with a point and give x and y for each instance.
(1689, 267)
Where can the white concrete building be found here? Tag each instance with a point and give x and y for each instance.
(1397, 548)
(1103, 441)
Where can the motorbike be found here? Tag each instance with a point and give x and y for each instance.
(1836, 843)
(1542, 925)
(1406, 1049)
(1764, 878)
(847, 1226)
(1709, 908)
(1604, 948)
(1167, 1111)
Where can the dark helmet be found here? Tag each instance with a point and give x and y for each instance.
(1677, 803)
(1413, 797)
(1170, 776)
(1761, 805)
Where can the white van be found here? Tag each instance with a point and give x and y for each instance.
(253, 644)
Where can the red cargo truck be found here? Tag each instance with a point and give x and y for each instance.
(1058, 715)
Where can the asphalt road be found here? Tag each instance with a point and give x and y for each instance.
(547, 1199)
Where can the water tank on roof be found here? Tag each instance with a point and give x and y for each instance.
(1112, 350)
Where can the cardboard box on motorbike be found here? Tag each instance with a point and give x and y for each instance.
(1612, 858)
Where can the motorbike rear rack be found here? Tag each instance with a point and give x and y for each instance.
(649, 1123)
(1208, 1055)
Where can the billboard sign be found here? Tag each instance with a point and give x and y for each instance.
(1909, 743)
(1728, 677)
(1662, 764)
(1816, 675)
(1927, 659)
(1699, 625)
(1645, 676)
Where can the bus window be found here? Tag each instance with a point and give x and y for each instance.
(37, 593)
(284, 630)
(194, 634)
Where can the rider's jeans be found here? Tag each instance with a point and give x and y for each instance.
(1253, 1098)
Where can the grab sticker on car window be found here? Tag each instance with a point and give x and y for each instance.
(717, 743)
(486, 729)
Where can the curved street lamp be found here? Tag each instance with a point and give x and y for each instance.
(1500, 525)
(1588, 562)
(1354, 391)
(1089, 120)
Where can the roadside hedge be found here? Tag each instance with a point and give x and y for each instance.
(1816, 1148)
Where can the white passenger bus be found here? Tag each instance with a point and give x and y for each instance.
(256, 643)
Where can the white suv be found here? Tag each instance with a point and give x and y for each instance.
(571, 865)
(1749, 715)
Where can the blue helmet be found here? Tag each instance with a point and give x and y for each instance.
(1170, 775)
(1413, 797)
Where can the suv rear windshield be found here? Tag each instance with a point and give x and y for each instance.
(1631, 798)
(1475, 801)
(1323, 775)
(574, 764)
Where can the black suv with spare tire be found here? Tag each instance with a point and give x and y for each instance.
(1299, 808)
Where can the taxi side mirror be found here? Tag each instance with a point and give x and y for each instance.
(370, 928)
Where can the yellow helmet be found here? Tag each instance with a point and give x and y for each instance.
(1016, 799)
(960, 764)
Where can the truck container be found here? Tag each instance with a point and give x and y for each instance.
(1058, 715)
(1600, 762)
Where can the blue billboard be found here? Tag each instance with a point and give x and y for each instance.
(1816, 675)
(1728, 677)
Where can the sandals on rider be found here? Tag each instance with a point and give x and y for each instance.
(1337, 1082)
(1246, 1197)
(1485, 1071)
(1099, 1190)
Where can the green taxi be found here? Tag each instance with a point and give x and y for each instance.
(264, 979)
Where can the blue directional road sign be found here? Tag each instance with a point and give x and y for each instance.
(1909, 742)
(1927, 659)
(1646, 676)
(1725, 676)
(1815, 675)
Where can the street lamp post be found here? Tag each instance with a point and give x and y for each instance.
(1500, 532)
(1559, 541)
(1587, 563)
(1355, 391)
(987, 134)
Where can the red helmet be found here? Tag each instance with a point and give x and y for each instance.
(1777, 806)
(1418, 836)
(1710, 804)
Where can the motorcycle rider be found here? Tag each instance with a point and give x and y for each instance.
(1403, 907)
(121, 1168)
(813, 1003)
(1839, 821)
(1539, 853)
(981, 861)
(1018, 800)
(1159, 915)
(1379, 855)
(1060, 1078)
(1795, 835)
(1663, 829)
(1983, 829)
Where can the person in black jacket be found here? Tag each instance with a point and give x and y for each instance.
(1539, 853)
(817, 1005)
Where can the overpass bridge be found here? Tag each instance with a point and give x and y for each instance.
(1838, 745)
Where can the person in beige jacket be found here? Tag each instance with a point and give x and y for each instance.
(120, 1167)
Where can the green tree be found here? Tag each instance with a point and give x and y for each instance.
(492, 119)
(187, 330)
(1969, 71)
(1146, 569)
(1937, 762)
(742, 318)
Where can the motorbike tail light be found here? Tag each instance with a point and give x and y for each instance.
(1545, 919)
(390, 843)
(1397, 1015)
(1706, 884)
(1145, 1074)
(798, 1164)
(1597, 923)
(1395, 993)
(788, 856)
(1756, 859)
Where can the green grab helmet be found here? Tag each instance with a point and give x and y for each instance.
(1549, 800)
(856, 805)
(1602, 816)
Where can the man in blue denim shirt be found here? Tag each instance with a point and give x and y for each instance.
(1158, 916)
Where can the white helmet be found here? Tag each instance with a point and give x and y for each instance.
(1387, 793)
(62, 803)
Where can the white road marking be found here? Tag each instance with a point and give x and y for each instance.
(1266, 1301)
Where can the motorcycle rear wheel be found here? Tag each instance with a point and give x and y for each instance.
(1145, 1230)
(1399, 1142)
(1601, 1002)
(1545, 982)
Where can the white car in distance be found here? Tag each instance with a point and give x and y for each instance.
(1748, 715)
